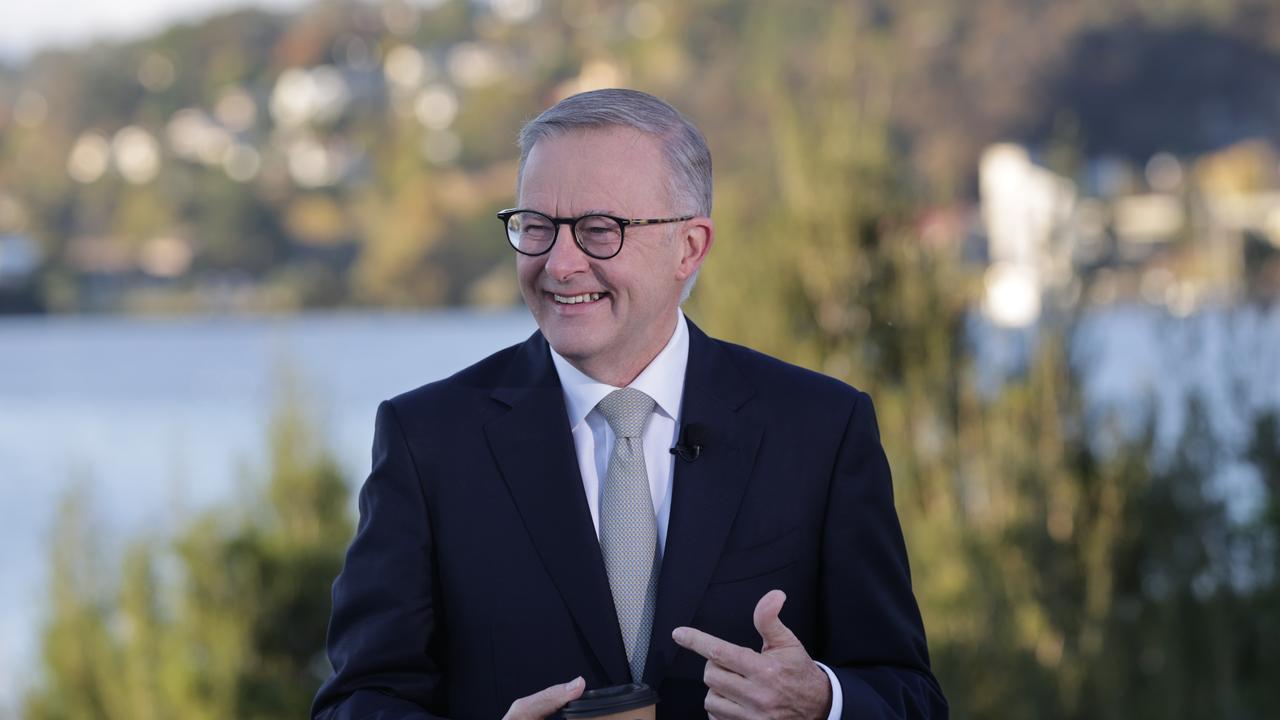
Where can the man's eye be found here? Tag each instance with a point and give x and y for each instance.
(598, 228)
(535, 229)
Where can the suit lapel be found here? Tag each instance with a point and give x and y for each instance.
(534, 450)
(706, 492)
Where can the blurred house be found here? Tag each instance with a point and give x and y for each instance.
(1026, 211)
(1177, 232)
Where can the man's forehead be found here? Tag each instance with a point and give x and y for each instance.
(595, 161)
(613, 137)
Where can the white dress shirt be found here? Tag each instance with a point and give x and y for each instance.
(662, 380)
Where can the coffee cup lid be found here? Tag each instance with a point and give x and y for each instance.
(606, 701)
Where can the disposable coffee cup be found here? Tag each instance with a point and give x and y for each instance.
(635, 701)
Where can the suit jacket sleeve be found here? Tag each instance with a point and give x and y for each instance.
(876, 643)
(382, 629)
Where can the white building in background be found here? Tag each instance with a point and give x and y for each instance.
(1182, 233)
(1024, 206)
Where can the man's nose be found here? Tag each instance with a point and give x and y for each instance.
(565, 257)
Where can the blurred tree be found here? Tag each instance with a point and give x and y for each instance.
(229, 622)
(1056, 573)
(76, 646)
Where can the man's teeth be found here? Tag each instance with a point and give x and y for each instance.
(572, 299)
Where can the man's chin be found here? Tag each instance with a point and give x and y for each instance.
(571, 343)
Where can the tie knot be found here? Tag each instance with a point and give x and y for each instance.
(627, 411)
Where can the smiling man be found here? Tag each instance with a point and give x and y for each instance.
(621, 498)
(606, 312)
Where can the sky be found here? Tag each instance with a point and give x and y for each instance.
(30, 25)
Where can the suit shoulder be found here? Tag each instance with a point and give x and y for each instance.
(476, 380)
(780, 376)
(828, 406)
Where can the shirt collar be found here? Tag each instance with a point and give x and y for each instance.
(662, 380)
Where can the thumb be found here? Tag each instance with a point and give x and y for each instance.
(769, 625)
(545, 702)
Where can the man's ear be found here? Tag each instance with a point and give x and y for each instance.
(694, 240)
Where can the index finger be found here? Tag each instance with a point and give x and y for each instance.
(736, 658)
(545, 702)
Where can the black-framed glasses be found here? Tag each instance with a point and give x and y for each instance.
(600, 236)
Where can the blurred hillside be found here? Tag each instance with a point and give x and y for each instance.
(353, 153)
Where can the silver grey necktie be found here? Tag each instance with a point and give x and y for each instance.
(628, 528)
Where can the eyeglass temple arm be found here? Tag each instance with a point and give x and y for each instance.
(659, 221)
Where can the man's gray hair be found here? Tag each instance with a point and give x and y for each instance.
(688, 157)
(686, 151)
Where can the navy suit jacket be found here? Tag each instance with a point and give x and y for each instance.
(475, 576)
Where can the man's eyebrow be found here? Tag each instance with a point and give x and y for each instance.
(584, 213)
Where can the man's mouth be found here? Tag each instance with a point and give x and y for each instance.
(575, 299)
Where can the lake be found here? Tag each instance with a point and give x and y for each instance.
(150, 416)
